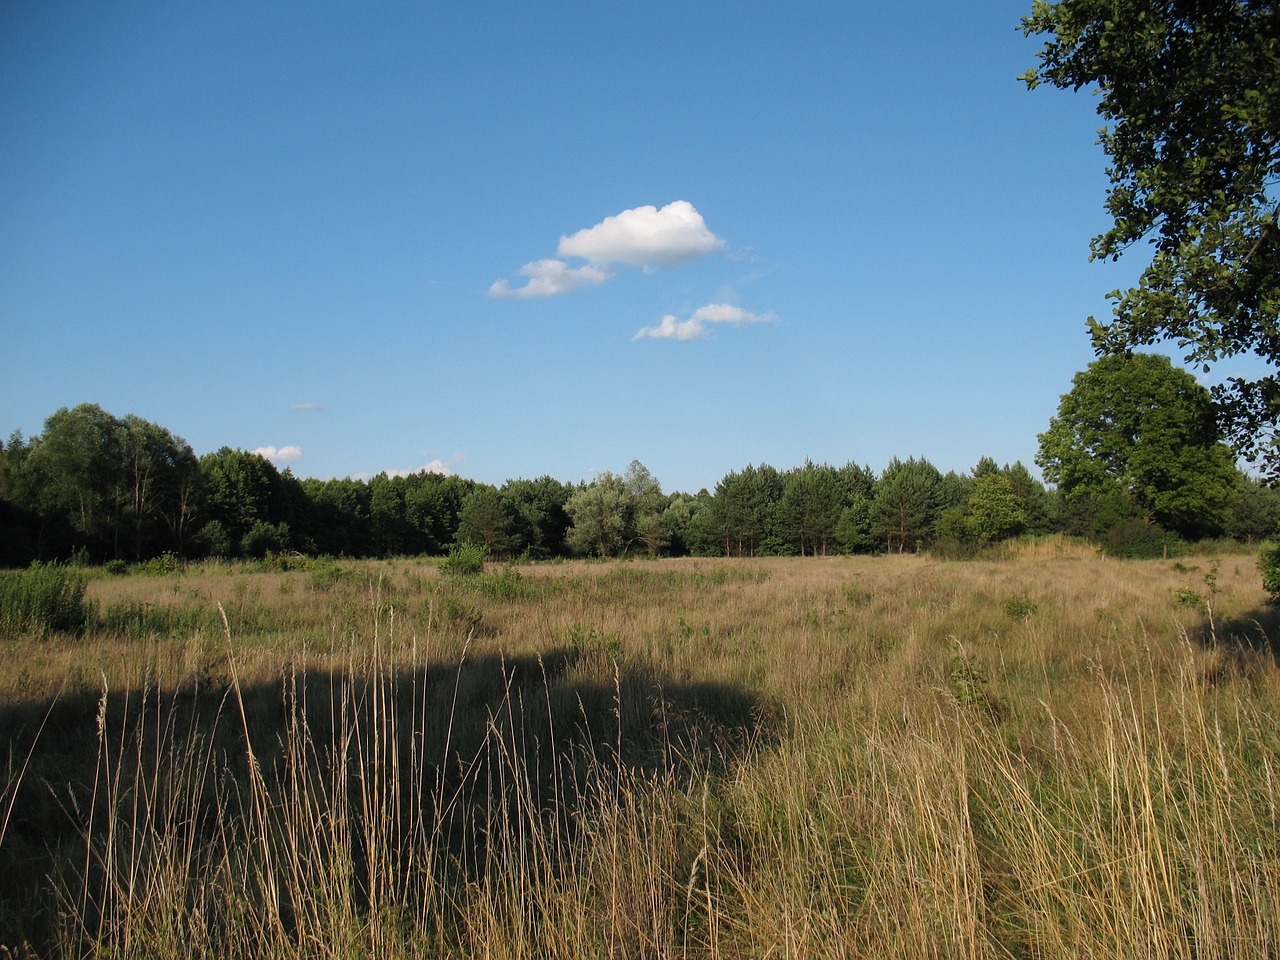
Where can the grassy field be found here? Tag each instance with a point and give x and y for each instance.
(1047, 755)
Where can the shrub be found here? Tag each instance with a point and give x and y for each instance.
(507, 585)
(968, 683)
(464, 559)
(1141, 540)
(1019, 608)
(264, 538)
(1269, 566)
(589, 640)
(42, 598)
(325, 576)
(161, 566)
(461, 614)
(215, 540)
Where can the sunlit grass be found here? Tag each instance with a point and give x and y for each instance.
(1046, 755)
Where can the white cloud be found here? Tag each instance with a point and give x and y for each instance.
(433, 466)
(280, 454)
(309, 405)
(645, 235)
(695, 328)
(548, 278)
(672, 329)
(642, 237)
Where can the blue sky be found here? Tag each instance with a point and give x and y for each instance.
(759, 233)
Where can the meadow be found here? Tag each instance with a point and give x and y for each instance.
(1042, 753)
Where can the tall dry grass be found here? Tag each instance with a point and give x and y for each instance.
(1050, 755)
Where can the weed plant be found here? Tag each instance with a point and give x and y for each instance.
(43, 598)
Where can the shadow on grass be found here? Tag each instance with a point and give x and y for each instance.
(467, 755)
(1257, 631)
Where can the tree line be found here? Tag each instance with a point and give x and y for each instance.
(1133, 457)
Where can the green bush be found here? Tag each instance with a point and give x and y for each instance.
(161, 566)
(589, 640)
(464, 560)
(42, 598)
(1269, 566)
(215, 540)
(325, 576)
(1141, 540)
(1019, 608)
(264, 538)
(461, 614)
(506, 585)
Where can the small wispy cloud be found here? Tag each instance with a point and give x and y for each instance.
(645, 236)
(288, 454)
(696, 326)
(548, 278)
(309, 405)
(432, 466)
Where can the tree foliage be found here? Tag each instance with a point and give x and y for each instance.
(1190, 90)
(119, 487)
(1256, 515)
(246, 493)
(995, 513)
(746, 508)
(599, 515)
(486, 521)
(907, 504)
(97, 487)
(540, 520)
(1135, 431)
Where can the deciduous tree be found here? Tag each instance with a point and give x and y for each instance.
(598, 512)
(1135, 429)
(541, 522)
(1190, 93)
(994, 511)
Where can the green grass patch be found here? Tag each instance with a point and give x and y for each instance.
(43, 598)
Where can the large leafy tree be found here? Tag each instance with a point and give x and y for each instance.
(338, 516)
(540, 520)
(79, 464)
(995, 512)
(1256, 515)
(647, 522)
(434, 507)
(598, 512)
(248, 495)
(1135, 431)
(1190, 91)
(162, 486)
(124, 487)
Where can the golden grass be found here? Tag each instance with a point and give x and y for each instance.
(1049, 755)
